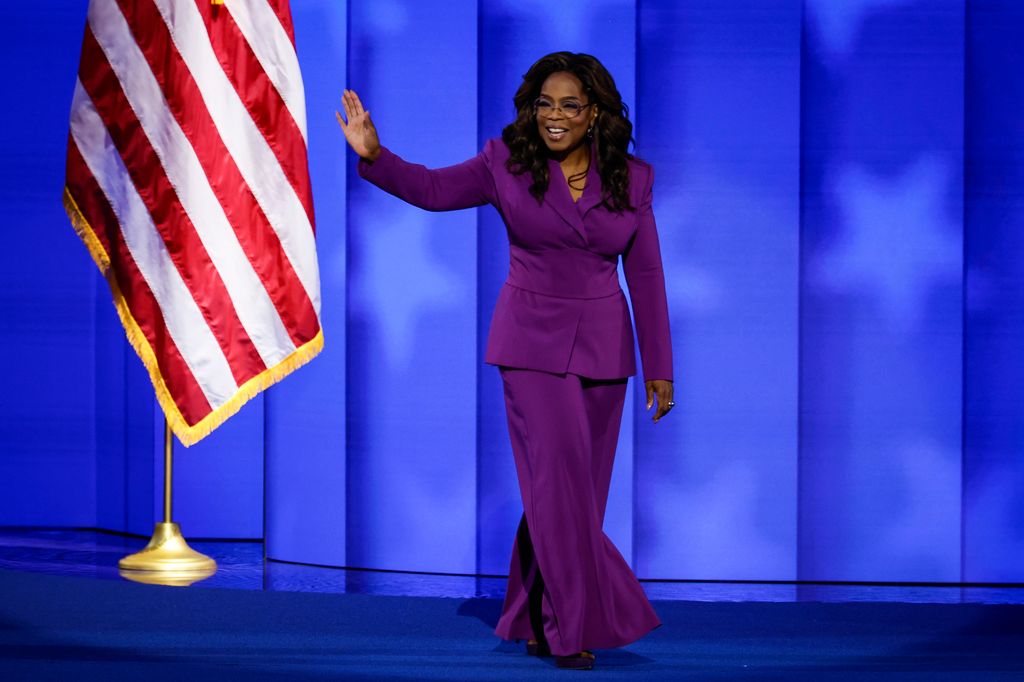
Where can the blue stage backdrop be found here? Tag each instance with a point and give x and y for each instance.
(840, 198)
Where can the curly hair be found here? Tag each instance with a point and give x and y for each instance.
(612, 131)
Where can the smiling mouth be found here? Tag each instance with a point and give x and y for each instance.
(556, 133)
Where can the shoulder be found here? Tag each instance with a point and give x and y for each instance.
(495, 152)
(639, 170)
(641, 177)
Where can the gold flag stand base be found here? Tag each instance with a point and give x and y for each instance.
(167, 559)
(168, 555)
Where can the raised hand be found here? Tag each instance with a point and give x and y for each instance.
(359, 130)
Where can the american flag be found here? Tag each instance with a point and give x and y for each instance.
(187, 180)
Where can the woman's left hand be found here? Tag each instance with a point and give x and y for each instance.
(663, 390)
(359, 131)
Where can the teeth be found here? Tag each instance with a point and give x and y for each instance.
(558, 130)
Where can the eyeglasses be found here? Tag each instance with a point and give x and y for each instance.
(570, 109)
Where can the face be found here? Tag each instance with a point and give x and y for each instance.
(561, 96)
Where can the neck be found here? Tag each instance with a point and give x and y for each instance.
(575, 158)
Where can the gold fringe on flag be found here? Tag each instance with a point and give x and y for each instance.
(188, 435)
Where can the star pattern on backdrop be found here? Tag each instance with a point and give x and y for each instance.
(924, 525)
(839, 20)
(692, 288)
(401, 282)
(728, 513)
(898, 240)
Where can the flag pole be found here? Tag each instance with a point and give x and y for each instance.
(167, 559)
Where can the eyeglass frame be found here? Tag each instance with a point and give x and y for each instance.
(558, 107)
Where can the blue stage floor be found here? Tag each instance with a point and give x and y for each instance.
(66, 614)
(241, 566)
(56, 627)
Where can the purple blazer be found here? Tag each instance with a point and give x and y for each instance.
(561, 308)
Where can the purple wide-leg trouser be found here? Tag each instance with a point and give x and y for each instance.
(567, 582)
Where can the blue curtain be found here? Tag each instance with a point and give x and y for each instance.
(838, 195)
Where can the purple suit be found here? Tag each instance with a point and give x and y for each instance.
(561, 309)
(562, 337)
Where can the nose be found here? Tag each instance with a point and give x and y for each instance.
(556, 114)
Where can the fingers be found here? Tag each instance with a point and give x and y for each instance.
(354, 112)
(341, 122)
(650, 393)
(350, 102)
(355, 102)
(663, 408)
(664, 392)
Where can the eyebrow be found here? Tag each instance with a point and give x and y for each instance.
(561, 100)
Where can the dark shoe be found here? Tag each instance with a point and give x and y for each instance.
(584, 660)
(535, 648)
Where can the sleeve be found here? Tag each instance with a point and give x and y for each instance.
(463, 185)
(641, 263)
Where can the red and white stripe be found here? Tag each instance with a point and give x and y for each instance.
(187, 171)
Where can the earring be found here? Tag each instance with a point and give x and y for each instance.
(590, 130)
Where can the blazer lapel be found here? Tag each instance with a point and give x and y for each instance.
(558, 198)
(594, 191)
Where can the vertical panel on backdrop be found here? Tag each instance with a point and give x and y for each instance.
(412, 365)
(881, 334)
(513, 35)
(993, 491)
(218, 482)
(305, 416)
(111, 357)
(49, 397)
(719, 119)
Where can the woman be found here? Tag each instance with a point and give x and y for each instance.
(573, 200)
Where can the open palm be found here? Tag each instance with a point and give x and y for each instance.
(359, 129)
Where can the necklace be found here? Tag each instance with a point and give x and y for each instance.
(579, 178)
